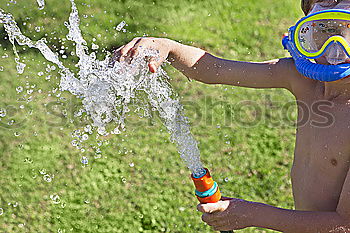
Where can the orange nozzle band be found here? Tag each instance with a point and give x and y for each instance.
(206, 184)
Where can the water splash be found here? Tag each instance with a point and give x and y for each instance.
(107, 89)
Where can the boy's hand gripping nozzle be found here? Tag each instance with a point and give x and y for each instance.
(207, 190)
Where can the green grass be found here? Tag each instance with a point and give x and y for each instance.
(156, 194)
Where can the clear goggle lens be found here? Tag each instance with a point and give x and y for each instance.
(313, 34)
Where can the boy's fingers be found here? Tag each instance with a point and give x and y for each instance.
(152, 67)
(219, 206)
(153, 64)
(209, 219)
(213, 217)
(117, 53)
(209, 207)
(128, 46)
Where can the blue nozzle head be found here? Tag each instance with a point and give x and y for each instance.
(200, 174)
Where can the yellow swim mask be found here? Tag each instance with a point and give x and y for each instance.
(326, 33)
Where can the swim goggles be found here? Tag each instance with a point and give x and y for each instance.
(326, 33)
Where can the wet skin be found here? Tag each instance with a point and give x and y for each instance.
(322, 149)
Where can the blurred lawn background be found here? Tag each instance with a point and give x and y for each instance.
(139, 184)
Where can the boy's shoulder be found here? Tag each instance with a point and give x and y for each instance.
(299, 84)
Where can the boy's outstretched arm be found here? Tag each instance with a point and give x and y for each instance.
(234, 214)
(207, 68)
(197, 64)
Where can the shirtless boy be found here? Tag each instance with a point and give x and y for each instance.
(320, 172)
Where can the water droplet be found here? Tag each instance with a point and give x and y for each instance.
(2, 112)
(55, 199)
(226, 179)
(88, 129)
(94, 46)
(28, 160)
(48, 178)
(42, 171)
(123, 180)
(19, 89)
(85, 137)
(74, 142)
(20, 67)
(84, 160)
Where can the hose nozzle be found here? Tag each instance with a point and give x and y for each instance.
(207, 190)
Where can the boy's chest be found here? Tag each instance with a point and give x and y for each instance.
(322, 155)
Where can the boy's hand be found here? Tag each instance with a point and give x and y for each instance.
(227, 214)
(129, 51)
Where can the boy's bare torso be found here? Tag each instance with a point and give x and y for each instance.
(322, 151)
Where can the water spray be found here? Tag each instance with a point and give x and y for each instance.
(107, 91)
(207, 190)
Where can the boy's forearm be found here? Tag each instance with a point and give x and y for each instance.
(185, 59)
(199, 65)
(183, 55)
(293, 221)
